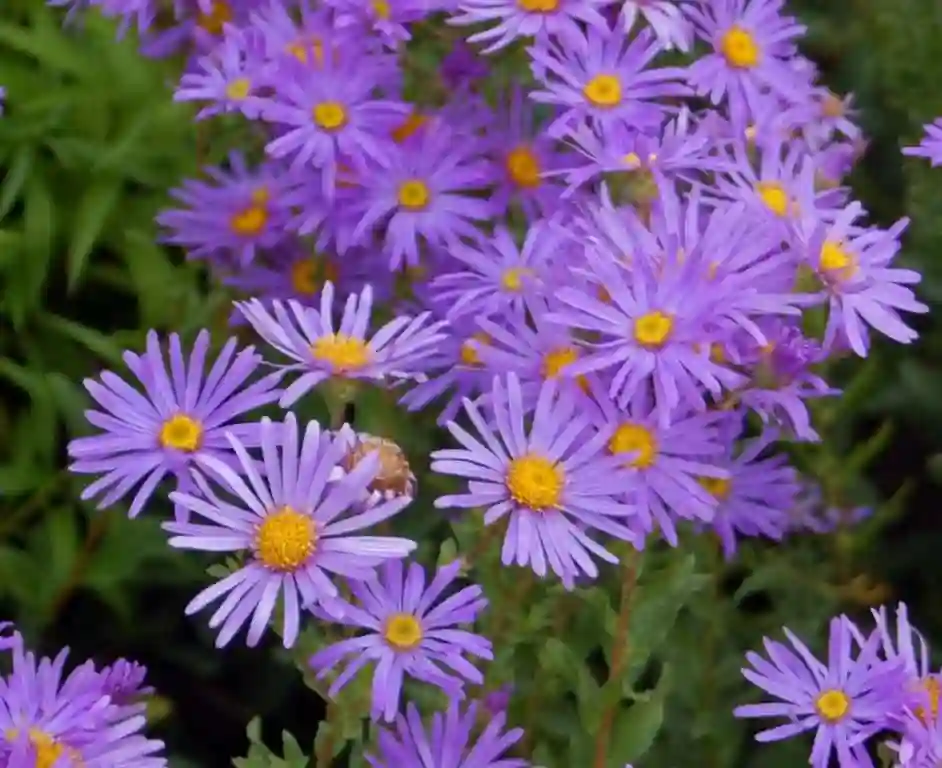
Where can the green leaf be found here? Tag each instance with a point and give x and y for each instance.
(15, 178)
(96, 205)
(637, 726)
(94, 341)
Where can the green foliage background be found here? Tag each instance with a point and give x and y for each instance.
(90, 146)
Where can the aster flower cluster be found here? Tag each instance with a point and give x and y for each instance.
(600, 287)
(88, 717)
(875, 685)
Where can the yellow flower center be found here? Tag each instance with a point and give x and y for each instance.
(933, 689)
(653, 329)
(717, 487)
(381, 9)
(538, 6)
(557, 359)
(832, 705)
(512, 279)
(299, 49)
(409, 127)
(774, 197)
(219, 14)
(469, 355)
(523, 167)
(48, 751)
(308, 275)
(603, 91)
(249, 221)
(330, 115)
(344, 353)
(637, 439)
(402, 631)
(535, 482)
(740, 48)
(836, 262)
(832, 106)
(413, 195)
(285, 539)
(181, 432)
(238, 89)
(632, 160)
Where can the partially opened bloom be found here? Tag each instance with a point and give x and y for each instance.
(603, 79)
(845, 701)
(863, 289)
(931, 145)
(52, 719)
(295, 528)
(321, 350)
(238, 213)
(182, 415)
(526, 18)
(411, 632)
(552, 480)
(448, 744)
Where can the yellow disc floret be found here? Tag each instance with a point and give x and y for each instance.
(181, 432)
(414, 195)
(285, 539)
(832, 705)
(653, 329)
(535, 482)
(603, 91)
(402, 631)
(342, 352)
(636, 439)
(740, 48)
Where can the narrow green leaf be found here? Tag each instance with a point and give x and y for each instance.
(637, 726)
(96, 205)
(15, 178)
(52, 51)
(96, 342)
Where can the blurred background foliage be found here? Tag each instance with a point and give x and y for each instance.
(89, 147)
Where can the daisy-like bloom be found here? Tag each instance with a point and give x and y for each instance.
(229, 77)
(781, 375)
(182, 415)
(48, 718)
(411, 632)
(320, 349)
(239, 212)
(601, 77)
(199, 25)
(330, 111)
(665, 17)
(553, 480)
(456, 371)
(756, 498)
(295, 527)
(424, 192)
(853, 264)
(672, 463)
(524, 156)
(448, 743)
(752, 45)
(526, 18)
(931, 145)
(845, 701)
(499, 277)
(393, 477)
(389, 19)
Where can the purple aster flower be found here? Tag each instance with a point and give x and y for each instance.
(845, 701)
(752, 45)
(412, 632)
(526, 18)
(931, 145)
(389, 19)
(601, 77)
(455, 370)
(756, 498)
(448, 744)
(670, 461)
(48, 718)
(553, 481)
(123, 681)
(862, 289)
(320, 351)
(499, 277)
(199, 25)
(229, 77)
(295, 527)
(665, 17)
(462, 66)
(330, 112)
(423, 190)
(523, 155)
(181, 416)
(240, 212)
